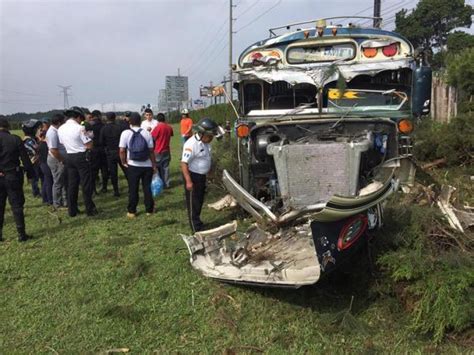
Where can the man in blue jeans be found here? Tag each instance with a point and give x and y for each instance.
(140, 164)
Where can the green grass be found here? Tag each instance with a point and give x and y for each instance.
(93, 284)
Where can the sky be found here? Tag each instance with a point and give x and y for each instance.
(115, 54)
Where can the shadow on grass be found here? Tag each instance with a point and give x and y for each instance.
(346, 287)
(122, 312)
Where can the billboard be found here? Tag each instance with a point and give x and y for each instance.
(211, 91)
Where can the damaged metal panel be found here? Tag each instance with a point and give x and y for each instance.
(322, 74)
(336, 208)
(287, 258)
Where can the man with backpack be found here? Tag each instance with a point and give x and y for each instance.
(136, 154)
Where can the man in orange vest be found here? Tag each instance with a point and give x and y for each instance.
(186, 125)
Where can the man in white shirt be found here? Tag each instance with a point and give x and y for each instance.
(136, 153)
(195, 164)
(56, 159)
(149, 123)
(78, 145)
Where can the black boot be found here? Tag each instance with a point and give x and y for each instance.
(23, 237)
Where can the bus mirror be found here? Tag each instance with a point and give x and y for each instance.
(421, 92)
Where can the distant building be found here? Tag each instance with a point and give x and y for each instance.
(177, 95)
(162, 103)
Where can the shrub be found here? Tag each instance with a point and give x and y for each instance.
(453, 141)
(431, 269)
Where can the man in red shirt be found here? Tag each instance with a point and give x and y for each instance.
(162, 134)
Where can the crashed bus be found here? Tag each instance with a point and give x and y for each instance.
(326, 115)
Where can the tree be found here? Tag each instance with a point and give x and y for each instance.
(429, 25)
(461, 71)
(461, 75)
(459, 41)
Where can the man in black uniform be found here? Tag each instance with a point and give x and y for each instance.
(99, 160)
(109, 139)
(11, 177)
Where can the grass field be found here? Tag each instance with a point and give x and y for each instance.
(95, 284)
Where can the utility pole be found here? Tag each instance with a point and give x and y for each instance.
(64, 91)
(231, 21)
(377, 11)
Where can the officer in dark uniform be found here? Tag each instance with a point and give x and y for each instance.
(99, 160)
(110, 139)
(195, 164)
(11, 177)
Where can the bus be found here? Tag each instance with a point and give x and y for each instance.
(325, 119)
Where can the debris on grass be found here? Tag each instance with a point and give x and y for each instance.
(226, 201)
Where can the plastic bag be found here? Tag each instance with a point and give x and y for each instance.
(156, 185)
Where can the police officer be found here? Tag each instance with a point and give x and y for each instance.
(78, 145)
(109, 139)
(99, 160)
(11, 177)
(195, 164)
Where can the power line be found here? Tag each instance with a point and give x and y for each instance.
(204, 60)
(22, 93)
(195, 65)
(205, 40)
(258, 17)
(248, 8)
(387, 11)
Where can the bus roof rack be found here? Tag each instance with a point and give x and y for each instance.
(273, 34)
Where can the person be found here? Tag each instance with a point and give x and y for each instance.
(195, 164)
(162, 135)
(47, 181)
(110, 139)
(11, 178)
(149, 123)
(30, 142)
(98, 158)
(78, 145)
(56, 161)
(124, 121)
(186, 125)
(136, 154)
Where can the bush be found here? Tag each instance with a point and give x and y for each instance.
(224, 156)
(431, 270)
(453, 141)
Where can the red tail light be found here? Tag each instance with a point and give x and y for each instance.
(351, 232)
(256, 56)
(390, 50)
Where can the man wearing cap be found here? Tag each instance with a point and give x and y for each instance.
(149, 123)
(195, 164)
(186, 125)
(11, 178)
(136, 154)
(78, 145)
(56, 161)
(110, 139)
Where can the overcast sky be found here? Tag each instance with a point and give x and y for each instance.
(119, 51)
